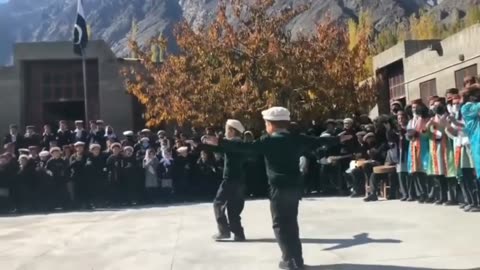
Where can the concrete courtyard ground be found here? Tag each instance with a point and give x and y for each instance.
(337, 233)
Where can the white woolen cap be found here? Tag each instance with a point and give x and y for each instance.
(236, 125)
(53, 149)
(44, 154)
(276, 114)
(95, 145)
(128, 133)
(79, 144)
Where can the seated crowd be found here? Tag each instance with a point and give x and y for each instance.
(425, 153)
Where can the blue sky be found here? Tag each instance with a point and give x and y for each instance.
(3, 1)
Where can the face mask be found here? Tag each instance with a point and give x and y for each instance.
(145, 144)
(440, 110)
(454, 108)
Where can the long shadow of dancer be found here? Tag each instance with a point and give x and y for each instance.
(357, 240)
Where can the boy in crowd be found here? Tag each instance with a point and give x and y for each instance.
(58, 168)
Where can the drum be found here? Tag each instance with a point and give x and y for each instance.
(384, 169)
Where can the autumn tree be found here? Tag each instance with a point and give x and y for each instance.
(424, 26)
(243, 63)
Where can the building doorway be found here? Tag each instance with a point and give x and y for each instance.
(54, 91)
(70, 111)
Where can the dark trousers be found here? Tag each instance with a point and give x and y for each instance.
(357, 180)
(420, 183)
(440, 188)
(469, 186)
(284, 209)
(403, 181)
(230, 198)
(452, 189)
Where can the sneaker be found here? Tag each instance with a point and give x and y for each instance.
(371, 198)
(403, 199)
(450, 203)
(291, 265)
(221, 236)
(468, 208)
(411, 200)
(239, 238)
(439, 202)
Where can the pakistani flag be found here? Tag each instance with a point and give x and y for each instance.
(80, 34)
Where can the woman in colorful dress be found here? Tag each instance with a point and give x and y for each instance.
(441, 162)
(463, 157)
(418, 157)
(471, 114)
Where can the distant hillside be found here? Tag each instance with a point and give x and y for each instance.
(51, 20)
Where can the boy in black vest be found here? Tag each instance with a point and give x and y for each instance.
(231, 192)
(282, 152)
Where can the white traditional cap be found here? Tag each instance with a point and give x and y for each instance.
(161, 132)
(44, 154)
(79, 144)
(23, 151)
(276, 114)
(144, 139)
(128, 133)
(23, 157)
(182, 149)
(236, 125)
(95, 145)
(79, 122)
(348, 121)
(128, 148)
(116, 145)
(53, 149)
(146, 130)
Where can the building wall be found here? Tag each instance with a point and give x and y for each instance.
(427, 64)
(115, 103)
(9, 98)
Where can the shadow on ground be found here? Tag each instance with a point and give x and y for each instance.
(371, 267)
(357, 240)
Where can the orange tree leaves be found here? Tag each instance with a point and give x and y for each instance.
(247, 61)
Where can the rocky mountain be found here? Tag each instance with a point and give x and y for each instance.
(111, 20)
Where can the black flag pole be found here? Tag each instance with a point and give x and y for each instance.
(80, 41)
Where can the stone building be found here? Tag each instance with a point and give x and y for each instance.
(422, 68)
(45, 85)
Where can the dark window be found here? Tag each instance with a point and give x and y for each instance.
(428, 89)
(396, 81)
(464, 72)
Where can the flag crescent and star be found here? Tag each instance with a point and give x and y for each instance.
(80, 35)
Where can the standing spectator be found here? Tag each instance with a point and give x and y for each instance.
(80, 134)
(47, 137)
(77, 169)
(463, 158)
(205, 176)
(110, 134)
(95, 175)
(150, 164)
(58, 168)
(407, 188)
(129, 139)
(114, 169)
(32, 138)
(64, 135)
(14, 137)
(418, 159)
(471, 115)
(165, 169)
(131, 174)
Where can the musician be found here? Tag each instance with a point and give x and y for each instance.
(391, 161)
